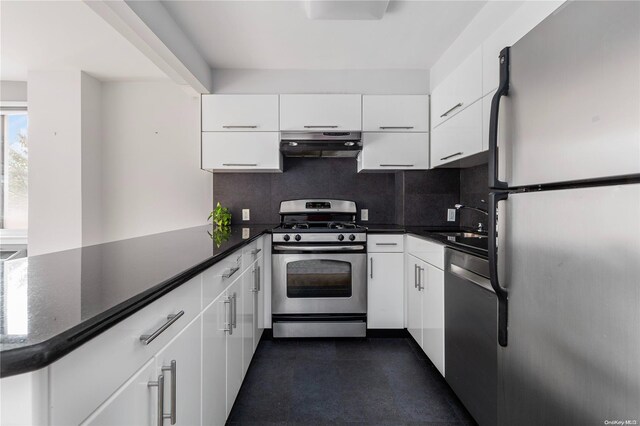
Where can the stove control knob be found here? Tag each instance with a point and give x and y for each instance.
(286, 237)
(352, 237)
(298, 237)
(340, 237)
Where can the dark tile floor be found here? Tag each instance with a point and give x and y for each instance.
(373, 381)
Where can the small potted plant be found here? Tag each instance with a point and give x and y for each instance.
(221, 217)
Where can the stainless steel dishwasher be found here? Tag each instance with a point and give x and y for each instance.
(470, 336)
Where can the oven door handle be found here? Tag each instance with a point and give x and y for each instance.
(319, 248)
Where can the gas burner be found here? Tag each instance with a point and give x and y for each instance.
(295, 226)
(341, 225)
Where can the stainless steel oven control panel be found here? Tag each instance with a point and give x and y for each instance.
(325, 237)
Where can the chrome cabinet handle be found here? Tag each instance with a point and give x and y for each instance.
(320, 127)
(148, 338)
(396, 127)
(240, 164)
(172, 414)
(239, 127)
(234, 317)
(259, 278)
(452, 155)
(397, 165)
(451, 109)
(160, 408)
(386, 244)
(420, 271)
(256, 251)
(371, 273)
(255, 280)
(227, 324)
(415, 275)
(230, 272)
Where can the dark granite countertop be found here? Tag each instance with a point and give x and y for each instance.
(52, 303)
(431, 232)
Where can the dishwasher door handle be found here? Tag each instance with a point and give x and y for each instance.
(470, 276)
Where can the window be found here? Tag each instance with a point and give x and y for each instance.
(14, 201)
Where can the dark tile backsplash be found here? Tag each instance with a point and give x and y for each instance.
(405, 198)
(474, 188)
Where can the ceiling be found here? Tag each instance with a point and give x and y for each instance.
(278, 35)
(65, 35)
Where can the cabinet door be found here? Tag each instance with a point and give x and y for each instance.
(414, 299)
(216, 319)
(241, 151)
(321, 112)
(180, 363)
(433, 314)
(133, 404)
(239, 113)
(395, 113)
(246, 315)
(385, 301)
(234, 343)
(459, 137)
(394, 151)
(258, 312)
(459, 90)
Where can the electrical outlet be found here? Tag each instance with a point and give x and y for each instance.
(451, 215)
(246, 214)
(246, 233)
(364, 214)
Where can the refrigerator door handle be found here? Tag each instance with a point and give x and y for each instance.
(501, 292)
(503, 90)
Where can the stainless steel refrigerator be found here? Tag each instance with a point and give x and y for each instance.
(564, 246)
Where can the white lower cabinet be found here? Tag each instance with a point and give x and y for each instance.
(385, 301)
(424, 283)
(133, 404)
(180, 364)
(235, 364)
(247, 314)
(258, 301)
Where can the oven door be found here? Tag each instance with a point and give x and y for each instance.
(319, 283)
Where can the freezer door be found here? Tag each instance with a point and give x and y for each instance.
(571, 263)
(574, 97)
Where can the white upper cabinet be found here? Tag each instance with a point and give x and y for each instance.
(459, 90)
(240, 113)
(395, 113)
(241, 151)
(321, 112)
(394, 151)
(459, 137)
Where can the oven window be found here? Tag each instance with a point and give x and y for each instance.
(318, 278)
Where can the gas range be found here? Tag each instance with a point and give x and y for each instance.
(330, 221)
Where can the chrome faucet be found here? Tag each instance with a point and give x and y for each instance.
(478, 209)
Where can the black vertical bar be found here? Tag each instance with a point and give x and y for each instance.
(503, 90)
(501, 292)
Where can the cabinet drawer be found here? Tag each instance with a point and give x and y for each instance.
(428, 251)
(82, 380)
(459, 90)
(241, 151)
(395, 113)
(393, 243)
(459, 137)
(321, 112)
(240, 113)
(217, 278)
(394, 151)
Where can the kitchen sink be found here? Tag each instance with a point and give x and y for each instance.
(462, 234)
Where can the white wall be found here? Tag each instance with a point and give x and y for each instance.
(151, 177)
(13, 91)
(55, 191)
(91, 134)
(307, 81)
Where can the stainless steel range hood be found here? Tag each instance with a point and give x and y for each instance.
(320, 144)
